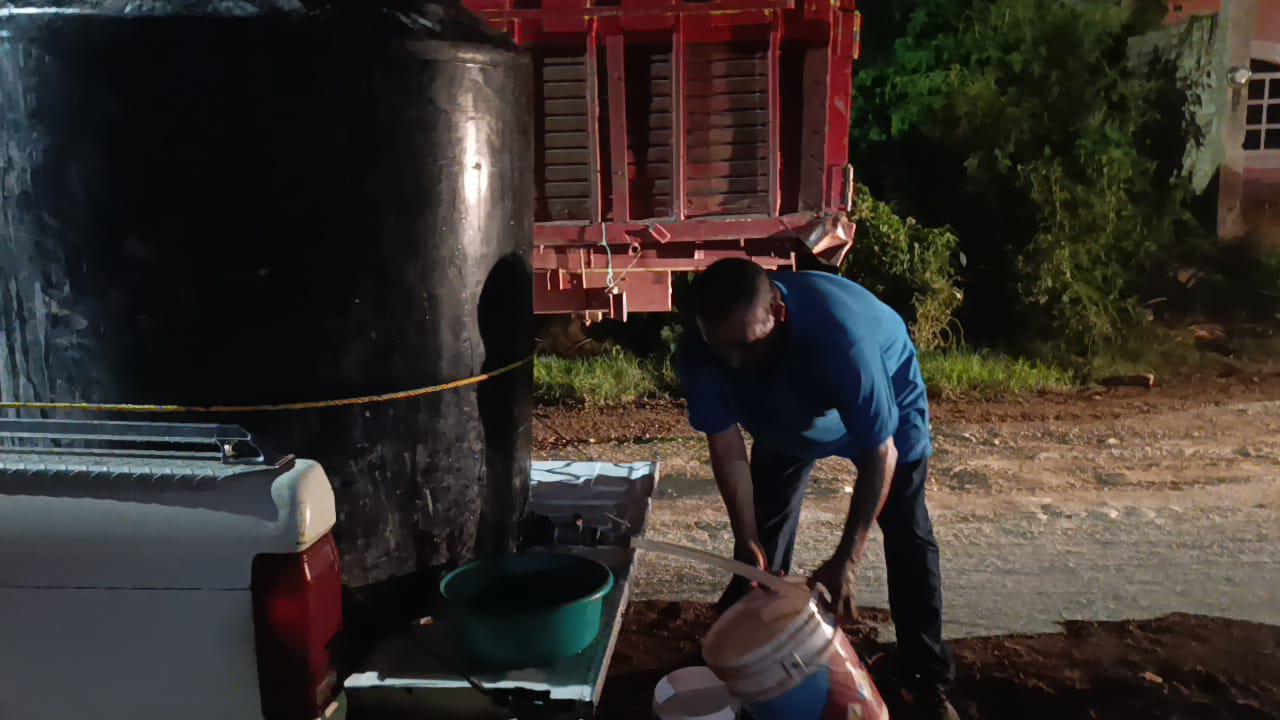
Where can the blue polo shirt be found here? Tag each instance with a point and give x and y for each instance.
(846, 380)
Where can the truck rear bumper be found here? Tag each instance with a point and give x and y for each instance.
(613, 269)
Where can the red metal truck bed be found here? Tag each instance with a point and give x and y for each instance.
(672, 134)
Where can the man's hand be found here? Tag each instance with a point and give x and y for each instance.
(839, 577)
(839, 574)
(751, 553)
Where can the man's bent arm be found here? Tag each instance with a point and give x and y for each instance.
(875, 474)
(732, 471)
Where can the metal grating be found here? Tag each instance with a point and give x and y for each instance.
(564, 151)
(98, 450)
(649, 125)
(726, 130)
(135, 467)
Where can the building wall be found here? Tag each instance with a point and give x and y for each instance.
(1249, 171)
(1181, 11)
(1267, 22)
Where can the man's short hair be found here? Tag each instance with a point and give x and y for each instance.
(729, 287)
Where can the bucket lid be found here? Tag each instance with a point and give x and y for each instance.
(693, 693)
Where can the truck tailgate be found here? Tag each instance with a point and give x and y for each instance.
(591, 508)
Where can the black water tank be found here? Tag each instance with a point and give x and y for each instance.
(235, 202)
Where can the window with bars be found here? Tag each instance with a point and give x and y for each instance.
(1262, 112)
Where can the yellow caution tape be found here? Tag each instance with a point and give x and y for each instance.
(311, 405)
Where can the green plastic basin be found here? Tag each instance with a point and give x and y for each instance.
(518, 611)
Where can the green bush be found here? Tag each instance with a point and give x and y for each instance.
(909, 266)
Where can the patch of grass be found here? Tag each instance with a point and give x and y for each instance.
(614, 378)
(967, 372)
(618, 377)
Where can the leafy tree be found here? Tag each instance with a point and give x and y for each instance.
(1034, 130)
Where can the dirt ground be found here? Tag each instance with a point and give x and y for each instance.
(1086, 539)
(564, 428)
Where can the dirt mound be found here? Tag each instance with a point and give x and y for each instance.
(659, 636)
(1177, 666)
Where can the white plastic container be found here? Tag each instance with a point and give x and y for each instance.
(693, 693)
(785, 660)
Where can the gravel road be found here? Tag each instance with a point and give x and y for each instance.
(1041, 520)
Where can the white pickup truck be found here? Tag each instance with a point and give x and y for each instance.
(163, 572)
(156, 571)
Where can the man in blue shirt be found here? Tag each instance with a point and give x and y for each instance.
(813, 366)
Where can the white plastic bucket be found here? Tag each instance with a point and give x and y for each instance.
(693, 693)
(767, 644)
(785, 660)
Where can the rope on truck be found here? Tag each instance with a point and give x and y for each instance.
(276, 407)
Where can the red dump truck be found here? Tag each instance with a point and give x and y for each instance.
(671, 134)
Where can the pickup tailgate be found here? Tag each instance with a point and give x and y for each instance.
(125, 578)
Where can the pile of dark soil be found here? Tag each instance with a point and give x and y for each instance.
(1177, 666)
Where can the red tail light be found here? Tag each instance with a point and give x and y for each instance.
(297, 614)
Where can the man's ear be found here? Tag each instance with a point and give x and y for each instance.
(777, 307)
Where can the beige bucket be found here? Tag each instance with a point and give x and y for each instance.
(786, 660)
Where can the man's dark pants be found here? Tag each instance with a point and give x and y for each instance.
(910, 551)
